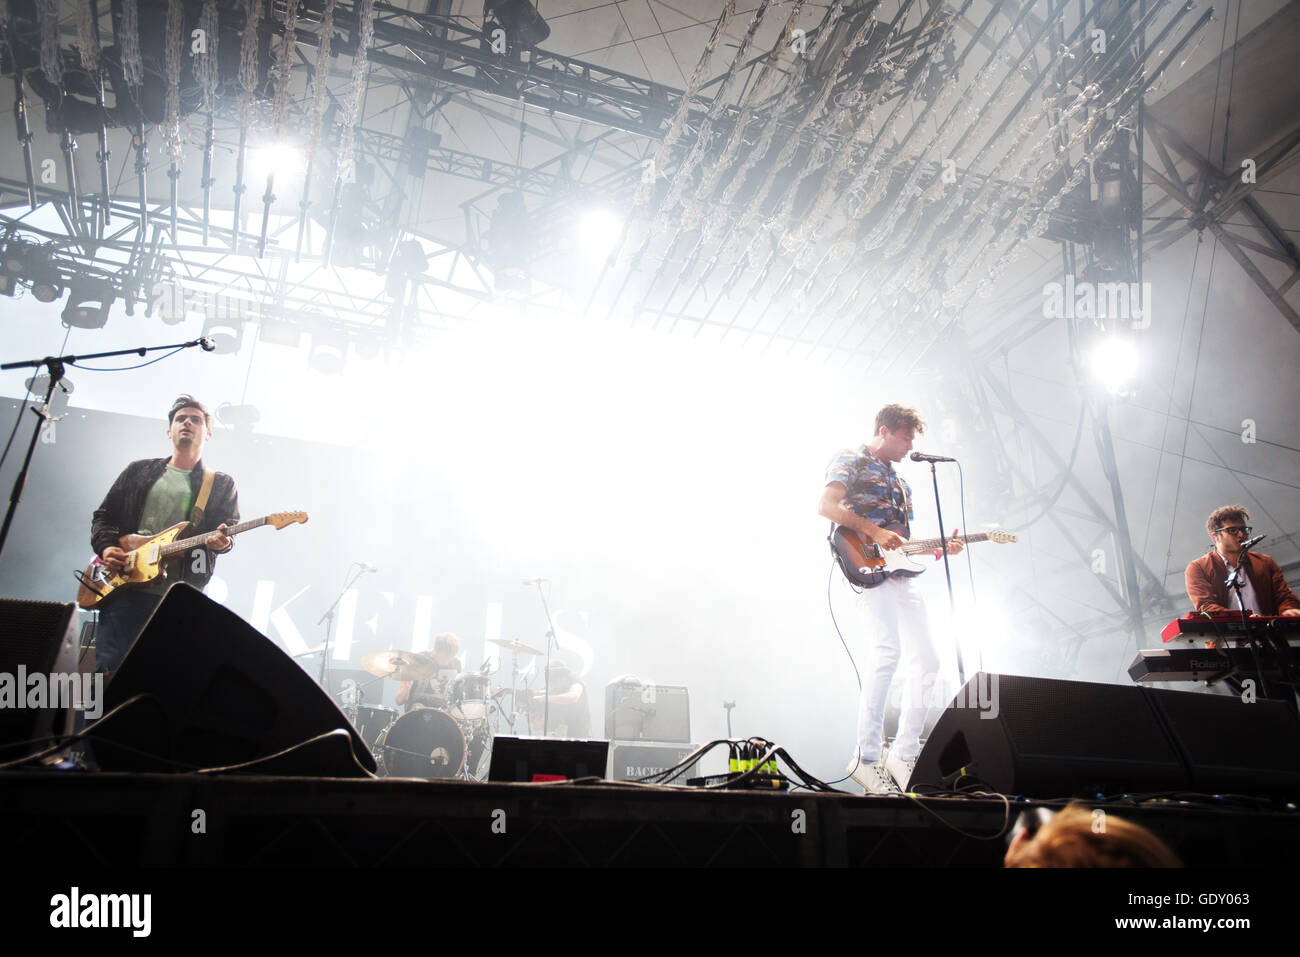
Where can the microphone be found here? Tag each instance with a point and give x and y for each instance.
(367, 568)
(207, 344)
(1246, 546)
(535, 581)
(922, 457)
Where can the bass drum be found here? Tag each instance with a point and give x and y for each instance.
(425, 743)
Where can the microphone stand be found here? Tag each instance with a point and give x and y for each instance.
(550, 640)
(947, 571)
(1235, 583)
(328, 618)
(55, 368)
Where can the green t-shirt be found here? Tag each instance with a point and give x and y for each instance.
(168, 502)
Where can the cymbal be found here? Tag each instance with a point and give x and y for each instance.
(516, 646)
(399, 665)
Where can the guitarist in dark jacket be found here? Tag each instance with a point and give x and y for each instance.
(150, 496)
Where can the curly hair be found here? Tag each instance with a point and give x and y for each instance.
(1225, 515)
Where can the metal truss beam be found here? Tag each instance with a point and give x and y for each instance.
(127, 257)
(1215, 200)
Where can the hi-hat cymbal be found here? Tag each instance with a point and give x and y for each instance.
(399, 665)
(516, 646)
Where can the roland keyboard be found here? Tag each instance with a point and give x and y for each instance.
(1227, 626)
(1205, 664)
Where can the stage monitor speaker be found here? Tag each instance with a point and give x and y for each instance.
(38, 667)
(547, 759)
(202, 688)
(1046, 738)
(1234, 745)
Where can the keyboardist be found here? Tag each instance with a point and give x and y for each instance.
(1266, 591)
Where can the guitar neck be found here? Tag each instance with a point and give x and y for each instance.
(929, 544)
(184, 544)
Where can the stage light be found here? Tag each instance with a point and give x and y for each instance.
(39, 384)
(409, 259)
(45, 290)
(521, 20)
(285, 160)
(598, 232)
(1114, 364)
(32, 264)
(241, 418)
(329, 352)
(279, 333)
(88, 304)
(226, 333)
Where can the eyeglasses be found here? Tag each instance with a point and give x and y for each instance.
(1239, 529)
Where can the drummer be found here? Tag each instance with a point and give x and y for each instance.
(435, 690)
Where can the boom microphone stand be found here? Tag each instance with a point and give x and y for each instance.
(55, 367)
(943, 549)
(550, 642)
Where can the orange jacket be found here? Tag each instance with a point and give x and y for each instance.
(1206, 577)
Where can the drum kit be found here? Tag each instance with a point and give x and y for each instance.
(452, 739)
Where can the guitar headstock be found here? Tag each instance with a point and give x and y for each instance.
(281, 519)
(1002, 538)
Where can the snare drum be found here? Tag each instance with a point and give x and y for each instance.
(469, 698)
(425, 743)
(371, 721)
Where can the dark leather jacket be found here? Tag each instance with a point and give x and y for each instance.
(119, 514)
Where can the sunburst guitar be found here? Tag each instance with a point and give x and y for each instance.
(146, 564)
(867, 565)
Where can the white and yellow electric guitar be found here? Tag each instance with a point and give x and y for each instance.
(146, 564)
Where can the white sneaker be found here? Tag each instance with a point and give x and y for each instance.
(898, 769)
(871, 775)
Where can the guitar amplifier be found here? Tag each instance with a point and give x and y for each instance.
(637, 759)
(644, 711)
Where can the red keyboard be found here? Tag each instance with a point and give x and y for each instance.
(1227, 625)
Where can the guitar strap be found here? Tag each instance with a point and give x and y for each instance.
(196, 515)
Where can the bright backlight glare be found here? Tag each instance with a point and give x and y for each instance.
(1114, 363)
(285, 160)
(598, 232)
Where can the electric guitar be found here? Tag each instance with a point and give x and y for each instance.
(145, 565)
(867, 565)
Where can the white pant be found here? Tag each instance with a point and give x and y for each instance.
(896, 623)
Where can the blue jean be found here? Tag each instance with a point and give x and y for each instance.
(120, 624)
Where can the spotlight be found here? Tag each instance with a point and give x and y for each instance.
(329, 352)
(25, 262)
(598, 232)
(46, 291)
(510, 243)
(38, 384)
(226, 333)
(241, 418)
(521, 20)
(279, 333)
(88, 304)
(285, 160)
(1114, 364)
(408, 260)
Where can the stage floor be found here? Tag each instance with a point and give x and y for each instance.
(105, 819)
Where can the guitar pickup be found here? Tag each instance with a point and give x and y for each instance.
(83, 579)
